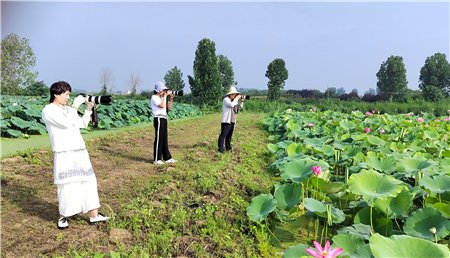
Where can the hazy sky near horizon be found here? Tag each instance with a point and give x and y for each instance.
(324, 44)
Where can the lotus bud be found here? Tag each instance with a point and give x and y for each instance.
(433, 230)
(317, 170)
(367, 130)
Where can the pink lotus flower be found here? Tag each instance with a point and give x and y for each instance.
(437, 120)
(420, 119)
(445, 119)
(295, 136)
(426, 125)
(382, 131)
(448, 110)
(310, 125)
(317, 170)
(407, 114)
(367, 130)
(314, 109)
(368, 114)
(324, 252)
(330, 121)
(373, 111)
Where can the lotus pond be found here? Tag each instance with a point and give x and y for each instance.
(21, 115)
(375, 185)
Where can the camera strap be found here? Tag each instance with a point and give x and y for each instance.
(94, 117)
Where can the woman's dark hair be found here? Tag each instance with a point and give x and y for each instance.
(58, 88)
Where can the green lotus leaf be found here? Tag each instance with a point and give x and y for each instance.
(445, 164)
(419, 223)
(272, 147)
(325, 150)
(347, 125)
(373, 185)
(432, 135)
(15, 108)
(395, 206)
(363, 252)
(19, 122)
(320, 209)
(297, 251)
(292, 124)
(297, 171)
(386, 164)
(292, 149)
(33, 112)
(327, 186)
(443, 207)
(288, 195)
(446, 153)
(374, 140)
(412, 165)
(314, 141)
(350, 152)
(261, 206)
(299, 222)
(401, 246)
(438, 184)
(360, 230)
(14, 133)
(380, 223)
(348, 243)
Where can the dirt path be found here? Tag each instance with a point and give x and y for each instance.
(123, 166)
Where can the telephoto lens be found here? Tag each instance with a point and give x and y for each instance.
(176, 93)
(245, 97)
(104, 100)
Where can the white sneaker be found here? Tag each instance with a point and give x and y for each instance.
(62, 223)
(171, 161)
(98, 218)
(158, 162)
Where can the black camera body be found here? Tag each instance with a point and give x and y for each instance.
(177, 93)
(245, 97)
(104, 100)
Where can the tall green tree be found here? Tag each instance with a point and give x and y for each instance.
(17, 59)
(435, 77)
(206, 81)
(226, 73)
(277, 74)
(392, 76)
(174, 79)
(37, 89)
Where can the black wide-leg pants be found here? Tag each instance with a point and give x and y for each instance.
(161, 145)
(225, 136)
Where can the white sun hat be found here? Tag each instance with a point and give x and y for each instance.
(232, 91)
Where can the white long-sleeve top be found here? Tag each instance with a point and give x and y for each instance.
(227, 108)
(63, 125)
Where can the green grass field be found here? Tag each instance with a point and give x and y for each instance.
(194, 208)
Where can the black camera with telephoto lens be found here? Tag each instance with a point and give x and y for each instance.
(245, 97)
(176, 93)
(104, 100)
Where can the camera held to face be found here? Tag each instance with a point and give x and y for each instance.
(176, 93)
(104, 100)
(245, 97)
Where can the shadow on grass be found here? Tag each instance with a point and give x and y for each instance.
(26, 199)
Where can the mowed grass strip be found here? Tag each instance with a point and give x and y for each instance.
(194, 208)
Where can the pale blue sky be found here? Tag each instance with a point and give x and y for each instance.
(324, 44)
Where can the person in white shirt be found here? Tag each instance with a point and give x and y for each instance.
(73, 172)
(160, 107)
(230, 108)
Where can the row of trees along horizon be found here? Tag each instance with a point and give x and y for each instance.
(213, 75)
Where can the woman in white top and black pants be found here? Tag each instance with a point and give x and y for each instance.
(230, 108)
(160, 107)
(73, 172)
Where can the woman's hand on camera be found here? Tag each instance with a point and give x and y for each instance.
(78, 101)
(90, 105)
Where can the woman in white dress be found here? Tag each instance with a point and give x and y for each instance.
(73, 172)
